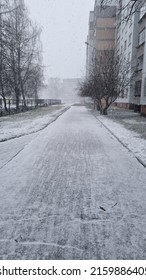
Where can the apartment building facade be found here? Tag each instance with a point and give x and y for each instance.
(101, 33)
(109, 30)
(90, 44)
(126, 42)
(130, 43)
(140, 84)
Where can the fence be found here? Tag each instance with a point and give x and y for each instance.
(30, 104)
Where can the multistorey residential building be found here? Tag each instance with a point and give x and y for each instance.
(129, 42)
(101, 34)
(89, 49)
(140, 84)
(126, 43)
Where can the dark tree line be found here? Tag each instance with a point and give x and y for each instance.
(20, 53)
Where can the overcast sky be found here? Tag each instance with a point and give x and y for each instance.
(65, 27)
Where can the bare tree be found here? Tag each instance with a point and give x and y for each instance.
(21, 72)
(3, 80)
(126, 8)
(108, 79)
(31, 74)
(34, 82)
(4, 7)
(16, 27)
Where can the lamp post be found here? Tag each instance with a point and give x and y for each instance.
(94, 49)
(90, 57)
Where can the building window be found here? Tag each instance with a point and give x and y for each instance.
(126, 92)
(129, 56)
(91, 25)
(140, 63)
(130, 39)
(125, 45)
(142, 37)
(101, 59)
(145, 87)
(138, 89)
(142, 11)
(130, 22)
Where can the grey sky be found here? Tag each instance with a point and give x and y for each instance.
(65, 27)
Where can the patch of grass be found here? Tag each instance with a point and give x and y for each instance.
(31, 114)
(129, 119)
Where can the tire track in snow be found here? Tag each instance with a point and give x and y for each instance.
(13, 157)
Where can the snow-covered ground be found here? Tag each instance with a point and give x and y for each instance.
(29, 122)
(130, 139)
(72, 192)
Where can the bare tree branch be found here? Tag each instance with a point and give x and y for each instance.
(107, 80)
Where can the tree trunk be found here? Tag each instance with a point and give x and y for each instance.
(98, 105)
(3, 94)
(104, 111)
(5, 103)
(23, 95)
(94, 104)
(17, 92)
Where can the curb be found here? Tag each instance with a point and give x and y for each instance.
(26, 134)
(123, 144)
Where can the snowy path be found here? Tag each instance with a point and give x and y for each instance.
(54, 192)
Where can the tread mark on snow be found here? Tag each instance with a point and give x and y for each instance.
(103, 209)
(13, 157)
(43, 243)
(51, 244)
(114, 205)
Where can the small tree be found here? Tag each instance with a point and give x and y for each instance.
(20, 53)
(108, 79)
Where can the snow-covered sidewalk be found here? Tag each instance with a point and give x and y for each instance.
(22, 124)
(71, 191)
(130, 139)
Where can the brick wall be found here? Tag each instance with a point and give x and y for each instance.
(124, 105)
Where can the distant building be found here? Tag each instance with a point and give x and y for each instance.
(69, 91)
(61, 89)
(43, 92)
